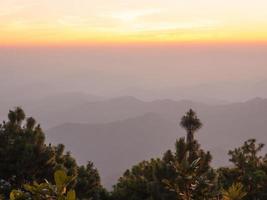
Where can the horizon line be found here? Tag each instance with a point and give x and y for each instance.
(134, 44)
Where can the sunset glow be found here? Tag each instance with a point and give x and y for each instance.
(84, 22)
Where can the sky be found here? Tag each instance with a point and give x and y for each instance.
(79, 22)
(196, 72)
(145, 48)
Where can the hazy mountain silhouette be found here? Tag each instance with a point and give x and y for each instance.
(49, 109)
(116, 146)
(141, 130)
(79, 108)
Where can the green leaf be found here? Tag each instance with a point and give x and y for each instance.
(12, 196)
(71, 195)
(60, 178)
(15, 194)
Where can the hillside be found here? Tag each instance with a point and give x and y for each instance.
(146, 129)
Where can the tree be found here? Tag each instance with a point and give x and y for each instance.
(191, 124)
(183, 175)
(194, 178)
(185, 182)
(191, 179)
(67, 163)
(88, 183)
(24, 156)
(144, 181)
(250, 169)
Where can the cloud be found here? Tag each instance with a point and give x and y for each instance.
(183, 25)
(72, 20)
(132, 15)
(11, 9)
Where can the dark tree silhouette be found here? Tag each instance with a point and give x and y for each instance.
(88, 183)
(185, 174)
(191, 124)
(24, 156)
(250, 169)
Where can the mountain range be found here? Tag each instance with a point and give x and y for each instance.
(118, 133)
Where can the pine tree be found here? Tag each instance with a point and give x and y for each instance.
(184, 174)
(26, 158)
(24, 155)
(191, 124)
(250, 169)
(88, 184)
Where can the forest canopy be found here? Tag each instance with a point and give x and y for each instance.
(32, 169)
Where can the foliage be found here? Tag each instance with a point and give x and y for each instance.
(191, 179)
(250, 169)
(191, 124)
(143, 181)
(88, 183)
(234, 192)
(25, 158)
(182, 174)
(185, 174)
(46, 190)
(23, 153)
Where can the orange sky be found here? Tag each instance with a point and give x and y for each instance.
(31, 22)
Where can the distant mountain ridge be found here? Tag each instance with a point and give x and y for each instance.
(133, 130)
(101, 111)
